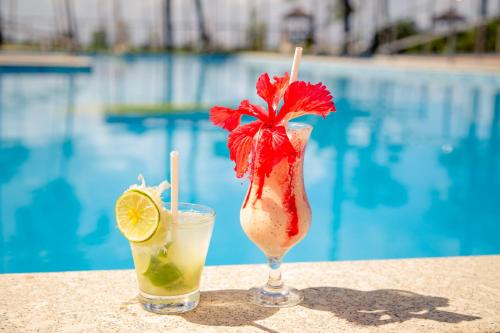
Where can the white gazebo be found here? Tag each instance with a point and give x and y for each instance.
(297, 29)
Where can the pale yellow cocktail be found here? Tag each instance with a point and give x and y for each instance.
(168, 256)
(171, 261)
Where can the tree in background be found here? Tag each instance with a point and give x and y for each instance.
(1, 29)
(99, 40)
(481, 29)
(121, 31)
(70, 33)
(168, 39)
(256, 32)
(204, 37)
(396, 30)
(342, 9)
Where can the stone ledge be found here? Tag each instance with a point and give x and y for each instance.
(413, 295)
(485, 64)
(44, 60)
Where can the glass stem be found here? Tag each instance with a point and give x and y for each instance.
(275, 282)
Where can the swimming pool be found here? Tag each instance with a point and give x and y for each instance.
(409, 166)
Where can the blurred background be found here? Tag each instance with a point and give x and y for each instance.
(347, 27)
(92, 93)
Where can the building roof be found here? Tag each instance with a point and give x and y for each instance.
(450, 15)
(298, 12)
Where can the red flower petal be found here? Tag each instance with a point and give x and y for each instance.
(252, 110)
(240, 143)
(224, 117)
(272, 92)
(273, 145)
(281, 83)
(265, 88)
(305, 98)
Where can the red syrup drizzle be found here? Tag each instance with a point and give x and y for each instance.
(248, 194)
(291, 205)
(289, 200)
(252, 170)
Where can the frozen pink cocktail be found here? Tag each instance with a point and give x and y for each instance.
(282, 216)
(275, 213)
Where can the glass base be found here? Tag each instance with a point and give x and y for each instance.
(275, 298)
(170, 304)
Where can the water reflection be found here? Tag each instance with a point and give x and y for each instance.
(407, 167)
(472, 195)
(169, 78)
(12, 156)
(45, 234)
(102, 229)
(42, 225)
(372, 181)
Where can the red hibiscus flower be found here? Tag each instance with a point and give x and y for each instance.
(264, 142)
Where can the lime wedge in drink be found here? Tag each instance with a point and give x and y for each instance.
(162, 273)
(137, 215)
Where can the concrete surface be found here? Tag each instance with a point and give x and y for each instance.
(414, 295)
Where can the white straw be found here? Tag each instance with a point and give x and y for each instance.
(174, 183)
(295, 66)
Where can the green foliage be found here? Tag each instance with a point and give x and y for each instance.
(398, 30)
(465, 41)
(339, 10)
(154, 109)
(99, 41)
(405, 28)
(256, 32)
(492, 29)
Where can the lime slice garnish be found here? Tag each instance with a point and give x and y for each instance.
(137, 215)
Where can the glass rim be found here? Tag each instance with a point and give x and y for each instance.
(293, 125)
(297, 125)
(196, 208)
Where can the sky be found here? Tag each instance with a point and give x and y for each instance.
(226, 19)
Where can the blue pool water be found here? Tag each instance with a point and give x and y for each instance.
(409, 166)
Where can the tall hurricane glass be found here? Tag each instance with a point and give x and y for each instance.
(278, 218)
